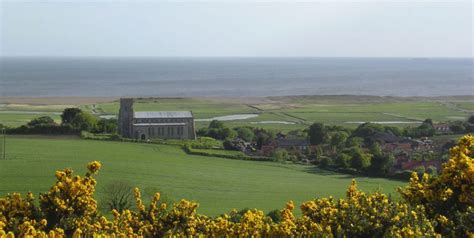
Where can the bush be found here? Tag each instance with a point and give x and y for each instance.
(42, 121)
(424, 130)
(245, 134)
(449, 197)
(44, 130)
(431, 207)
(68, 114)
(84, 121)
(403, 175)
(324, 161)
(360, 160)
(280, 155)
(420, 170)
(317, 134)
(432, 171)
(108, 126)
(275, 215)
(69, 209)
(228, 145)
(118, 196)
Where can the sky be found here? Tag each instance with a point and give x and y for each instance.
(230, 28)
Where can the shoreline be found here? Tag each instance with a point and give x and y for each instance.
(73, 100)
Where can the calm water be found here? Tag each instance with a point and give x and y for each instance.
(235, 76)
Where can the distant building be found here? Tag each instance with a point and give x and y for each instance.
(288, 144)
(154, 124)
(385, 137)
(442, 128)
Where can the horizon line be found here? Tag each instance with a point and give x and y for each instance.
(137, 57)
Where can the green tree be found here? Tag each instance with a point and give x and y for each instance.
(215, 124)
(426, 129)
(343, 160)
(471, 119)
(42, 121)
(375, 149)
(275, 215)
(381, 164)
(264, 137)
(227, 133)
(280, 155)
(354, 142)
(367, 130)
(84, 121)
(432, 171)
(469, 127)
(317, 134)
(245, 134)
(338, 138)
(297, 133)
(107, 125)
(324, 161)
(394, 130)
(457, 127)
(222, 133)
(428, 121)
(118, 195)
(69, 114)
(360, 160)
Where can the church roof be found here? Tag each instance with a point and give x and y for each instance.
(182, 114)
(159, 124)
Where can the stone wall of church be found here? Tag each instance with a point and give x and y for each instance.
(125, 118)
(162, 132)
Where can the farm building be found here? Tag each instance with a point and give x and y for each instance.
(154, 124)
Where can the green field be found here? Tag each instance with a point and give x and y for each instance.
(300, 111)
(18, 119)
(217, 184)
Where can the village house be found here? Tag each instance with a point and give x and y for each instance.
(301, 145)
(385, 137)
(154, 124)
(442, 128)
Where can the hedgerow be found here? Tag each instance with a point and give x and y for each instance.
(432, 207)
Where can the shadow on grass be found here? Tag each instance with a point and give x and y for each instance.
(340, 175)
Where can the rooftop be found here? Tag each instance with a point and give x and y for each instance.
(182, 114)
(159, 124)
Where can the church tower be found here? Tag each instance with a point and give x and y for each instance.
(125, 118)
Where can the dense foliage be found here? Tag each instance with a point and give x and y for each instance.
(73, 121)
(448, 198)
(431, 207)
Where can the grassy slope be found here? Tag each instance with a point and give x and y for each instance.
(217, 184)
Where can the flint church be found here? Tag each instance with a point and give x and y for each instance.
(154, 124)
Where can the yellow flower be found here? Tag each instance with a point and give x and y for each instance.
(94, 166)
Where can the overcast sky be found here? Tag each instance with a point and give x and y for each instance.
(236, 28)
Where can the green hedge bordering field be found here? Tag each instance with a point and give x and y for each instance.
(203, 146)
(218, 153)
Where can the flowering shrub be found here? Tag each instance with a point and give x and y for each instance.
(448, 198)
(431, 207)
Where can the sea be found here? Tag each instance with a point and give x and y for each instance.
(234, 77)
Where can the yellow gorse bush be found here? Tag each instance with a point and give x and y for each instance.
(431, 207)
(448, 198)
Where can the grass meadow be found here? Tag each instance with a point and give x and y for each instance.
(283, 113)
(218, 184)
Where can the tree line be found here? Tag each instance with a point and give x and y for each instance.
(73, 121)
